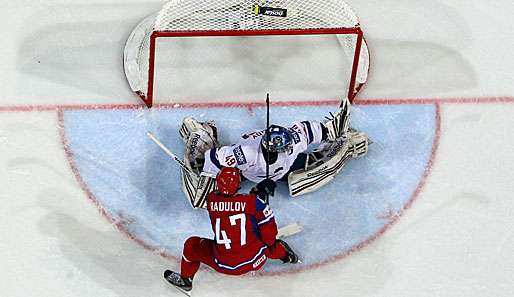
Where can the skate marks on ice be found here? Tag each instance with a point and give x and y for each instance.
(407, 61)
(77, 55)
(84, 60)
(135, 183)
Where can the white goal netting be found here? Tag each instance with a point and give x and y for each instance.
(178, 63)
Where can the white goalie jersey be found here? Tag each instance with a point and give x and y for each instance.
(333, 145)
(247, 155)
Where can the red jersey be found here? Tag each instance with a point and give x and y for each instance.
(244, 227)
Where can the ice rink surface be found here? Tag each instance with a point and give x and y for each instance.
(429, 212)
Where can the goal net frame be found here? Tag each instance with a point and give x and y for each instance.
(148, 97)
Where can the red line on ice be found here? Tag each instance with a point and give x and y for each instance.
(394, 219)
(121, 223)
(250, 105)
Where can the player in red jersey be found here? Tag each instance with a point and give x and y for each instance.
(245, 233)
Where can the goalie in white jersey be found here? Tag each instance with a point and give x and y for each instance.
(251, 153)
(285, 150)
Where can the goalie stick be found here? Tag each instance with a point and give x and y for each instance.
(285, 231)
(169, 153)
(289, 230)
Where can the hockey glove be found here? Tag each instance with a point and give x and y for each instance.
(265, 188)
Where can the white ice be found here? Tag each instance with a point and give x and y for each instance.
(456, 240)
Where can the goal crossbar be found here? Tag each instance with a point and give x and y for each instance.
(352, 91)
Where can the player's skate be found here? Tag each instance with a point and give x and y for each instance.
(190, 125)
(291, 256)
(182, 284)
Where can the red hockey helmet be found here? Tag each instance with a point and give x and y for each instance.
(228, 180)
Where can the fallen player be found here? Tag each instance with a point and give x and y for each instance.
(286, 154)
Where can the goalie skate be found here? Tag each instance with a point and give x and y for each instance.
(358, 144)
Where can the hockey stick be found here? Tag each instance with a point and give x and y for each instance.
(289, 230)
(267, 141)
(169, 153)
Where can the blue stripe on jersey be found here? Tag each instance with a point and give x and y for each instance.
(214, 158)
(309, 131)
(255, 226)
(260, 205)
(259, 253)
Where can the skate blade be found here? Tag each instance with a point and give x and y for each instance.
(178, 289)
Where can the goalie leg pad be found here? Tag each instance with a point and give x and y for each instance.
(196, 188)
(199, 137)
(319, 173)
(322, 167)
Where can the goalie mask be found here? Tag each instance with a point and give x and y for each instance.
(279, 139)
(228, 180)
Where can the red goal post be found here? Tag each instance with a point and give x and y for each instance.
(141, 50)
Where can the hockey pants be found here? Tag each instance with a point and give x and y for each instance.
(201, 250)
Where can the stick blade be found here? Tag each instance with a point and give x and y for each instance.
(289, 230)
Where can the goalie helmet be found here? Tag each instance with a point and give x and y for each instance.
(228, 180)
(280, 139)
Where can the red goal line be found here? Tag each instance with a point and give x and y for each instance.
(250, 105)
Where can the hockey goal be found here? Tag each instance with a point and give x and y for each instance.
(192, 49)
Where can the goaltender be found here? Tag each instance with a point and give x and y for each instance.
(281, 152)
